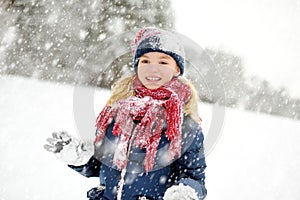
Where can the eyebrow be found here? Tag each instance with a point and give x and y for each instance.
(161, 57)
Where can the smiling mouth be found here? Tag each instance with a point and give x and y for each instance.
(153, 78)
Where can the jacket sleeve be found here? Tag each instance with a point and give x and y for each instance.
(90, 169)
(189, 168)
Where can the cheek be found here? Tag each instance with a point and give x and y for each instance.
(168, 72)
(140, 71)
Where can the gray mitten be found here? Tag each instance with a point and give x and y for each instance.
(69, 149)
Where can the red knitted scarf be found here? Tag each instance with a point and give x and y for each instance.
(150, 108)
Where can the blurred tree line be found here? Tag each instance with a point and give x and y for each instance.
(251, 93)
(69, 41)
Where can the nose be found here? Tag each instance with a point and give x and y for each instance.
(154, 67)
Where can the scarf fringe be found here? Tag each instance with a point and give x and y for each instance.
(151, 108)
(103, 120)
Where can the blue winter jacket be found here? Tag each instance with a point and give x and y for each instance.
(188, 169)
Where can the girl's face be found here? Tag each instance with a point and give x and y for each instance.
(156, 68)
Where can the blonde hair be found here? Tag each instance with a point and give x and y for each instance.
(123, 88)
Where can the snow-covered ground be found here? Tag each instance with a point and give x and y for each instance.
(256, 157)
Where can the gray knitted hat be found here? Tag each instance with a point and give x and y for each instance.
(157, 40)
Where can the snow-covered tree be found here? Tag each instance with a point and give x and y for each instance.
(229, 72)
(65, 40)
(9, 33)
(295, 108)
(260, 96)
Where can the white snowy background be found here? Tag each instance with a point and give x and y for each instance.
(264, 33)
(257, 155)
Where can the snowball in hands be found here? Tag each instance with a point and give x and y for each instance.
(69, 149)
(181, 192)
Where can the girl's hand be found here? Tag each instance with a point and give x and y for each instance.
(69, 149)
(57, 142)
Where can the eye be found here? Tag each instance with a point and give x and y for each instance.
(144, 61)
(163, 63)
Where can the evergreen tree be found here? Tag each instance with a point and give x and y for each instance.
(9, 33)
(66, 40)
(229, 70)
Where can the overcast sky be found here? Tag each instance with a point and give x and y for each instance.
(264, 33)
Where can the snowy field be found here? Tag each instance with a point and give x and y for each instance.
(256, 157)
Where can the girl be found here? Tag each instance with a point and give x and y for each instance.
(148, 144)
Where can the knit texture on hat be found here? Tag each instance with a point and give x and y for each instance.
(157, 40)
(150, 108)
